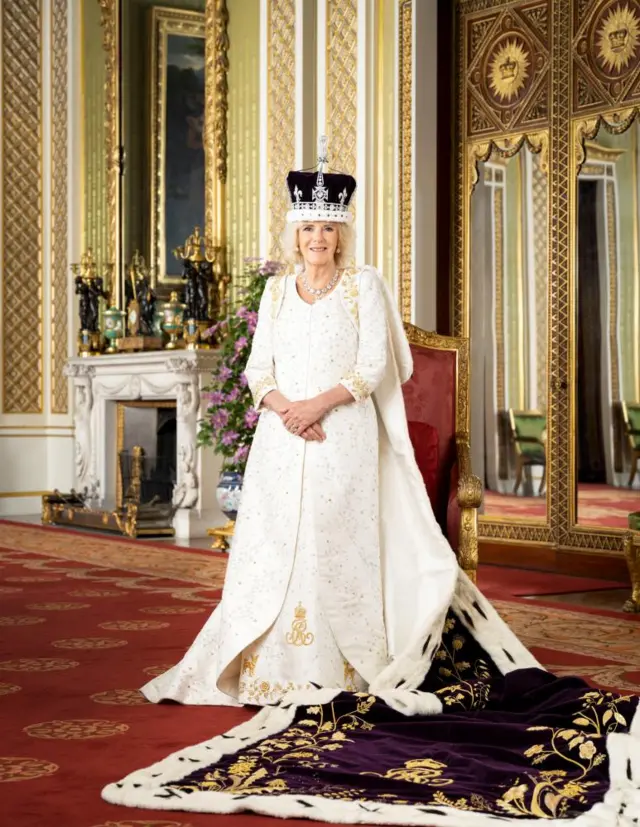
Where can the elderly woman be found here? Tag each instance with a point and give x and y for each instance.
(337, 560)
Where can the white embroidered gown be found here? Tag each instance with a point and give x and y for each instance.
(302, 602)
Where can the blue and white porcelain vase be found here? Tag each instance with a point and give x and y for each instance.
(228, 493)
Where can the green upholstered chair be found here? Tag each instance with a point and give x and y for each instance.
(631, 417)
(529, 436)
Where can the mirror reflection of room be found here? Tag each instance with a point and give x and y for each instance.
(607, 447)
(162, 121)
(509, 332)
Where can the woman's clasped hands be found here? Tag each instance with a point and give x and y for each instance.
(299, 418)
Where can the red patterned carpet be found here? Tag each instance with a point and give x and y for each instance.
(598, 505)
(87, 620)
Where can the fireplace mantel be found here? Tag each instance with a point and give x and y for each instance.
(101, 382)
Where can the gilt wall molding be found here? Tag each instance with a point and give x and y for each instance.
(59, 206)
(281, 114)
(23, 379)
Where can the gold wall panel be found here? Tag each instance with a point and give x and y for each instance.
(506, 68)
(94, 127)
(405, 188)
(342, 84)
(22, 206)
(605, 51)
(59, 194)
(281, 115)
(243, 170)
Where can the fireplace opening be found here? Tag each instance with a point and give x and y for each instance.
(146, 451)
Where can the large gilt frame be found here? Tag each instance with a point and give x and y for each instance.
(215, 129)
(583, 130)
(164, 22)
(504, 146)
(575, 108)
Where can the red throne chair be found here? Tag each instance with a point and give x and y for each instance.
(437, 402)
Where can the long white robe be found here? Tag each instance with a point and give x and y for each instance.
(338, 569)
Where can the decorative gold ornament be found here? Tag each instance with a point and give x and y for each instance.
(154, 671)
(21, 620)
(58, 607)
(132, 625)
(173, 610)
(617, 38)
(90, 643)
(24, 769)
(120, 697)
(75, 730)
(509, 70)
(37, 665)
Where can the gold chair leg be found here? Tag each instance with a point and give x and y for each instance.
(632, 554)
(519, 470)
(468, 546)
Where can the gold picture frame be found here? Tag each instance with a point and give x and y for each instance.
(174, 33)
(215, 25)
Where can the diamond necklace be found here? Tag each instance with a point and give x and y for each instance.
(315, 292)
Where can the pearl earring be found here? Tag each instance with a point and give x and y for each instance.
(337, 249)
(297, 249)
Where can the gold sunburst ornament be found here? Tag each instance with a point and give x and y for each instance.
(508, 70)
(618, 38)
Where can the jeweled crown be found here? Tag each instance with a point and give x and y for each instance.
(320, 195)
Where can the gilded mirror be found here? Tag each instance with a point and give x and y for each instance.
(508, 277)
(154, 120)
(606, 353)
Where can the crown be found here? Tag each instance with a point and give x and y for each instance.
(618, 39)
(508, 69)
(300, 612)
(321, 195)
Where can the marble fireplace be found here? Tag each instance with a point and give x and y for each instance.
(105, 387)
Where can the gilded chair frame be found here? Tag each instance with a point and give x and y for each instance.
(215, 128)
(570, 102)
(469, 486)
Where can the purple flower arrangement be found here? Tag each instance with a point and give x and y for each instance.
(230, 420)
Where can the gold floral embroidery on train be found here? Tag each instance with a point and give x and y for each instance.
(299, 636)
(305, 744)
(471, 689)
(548, 794)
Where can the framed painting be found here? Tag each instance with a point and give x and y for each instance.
(177, 135)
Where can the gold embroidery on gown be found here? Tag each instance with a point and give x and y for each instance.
(298, 636)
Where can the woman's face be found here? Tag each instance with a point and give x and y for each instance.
(318, 242)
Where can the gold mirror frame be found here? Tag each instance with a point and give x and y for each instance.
(505, 146)
(561, 45)
(215, 128)
(584, 130)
